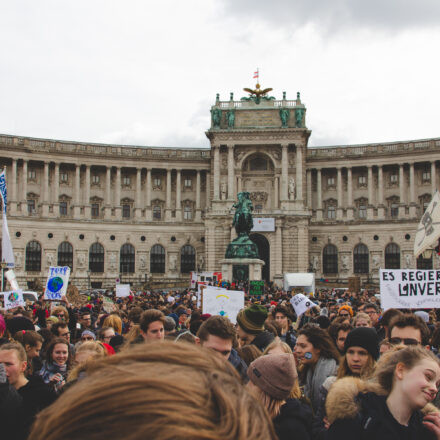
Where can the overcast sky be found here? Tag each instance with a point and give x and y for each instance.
(146, 72)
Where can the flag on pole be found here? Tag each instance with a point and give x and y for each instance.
(7, 252)
(256, 74)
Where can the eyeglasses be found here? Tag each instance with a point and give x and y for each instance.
(64, 334)
(61, 315)
(405, 341)
(371, 312)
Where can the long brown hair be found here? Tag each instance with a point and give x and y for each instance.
(366, 373)
(164, 391)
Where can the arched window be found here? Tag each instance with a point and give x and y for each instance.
(392, 256)
(96, 258)
(126, 258)
(157, 259)
(33, 257)
(65, 254)
(360, 259)
(330, 259)
(424, 263)
(187, 259)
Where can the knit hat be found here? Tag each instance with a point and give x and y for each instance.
(251, 319)
(52, 319)
(364, 337)
(18, 323)
(88, 333)
(348, 308)
(275, 374)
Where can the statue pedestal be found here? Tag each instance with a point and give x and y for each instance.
(252, 266)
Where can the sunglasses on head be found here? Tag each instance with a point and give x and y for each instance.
(405, 341)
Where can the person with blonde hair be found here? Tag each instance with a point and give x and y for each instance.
(115, 322)
(85, 353)
(271, 379)
(362, 320)
(166, 391)
(389, 407)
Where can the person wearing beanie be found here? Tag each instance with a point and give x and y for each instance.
(250, 328)
(18, 323)
(361, 353)
(345, 311)
(273, 380)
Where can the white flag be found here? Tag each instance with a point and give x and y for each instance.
(428, 230)
(7, 252)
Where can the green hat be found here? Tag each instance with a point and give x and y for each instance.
(251, 319)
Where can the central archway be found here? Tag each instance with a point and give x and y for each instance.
(264, 252)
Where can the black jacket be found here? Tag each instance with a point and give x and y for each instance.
(10, 404)
(366, 416)
(239, 364)
(294, 421)
(263, 339)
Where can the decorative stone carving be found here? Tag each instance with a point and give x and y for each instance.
(142, 262)
(292, 189)
(376, 261)
(258, 196)
(314, 263)
(408, 261)
(81, 260)
(345, 263)
(18, 256)
(223, 190)
(172, 263)
(112, 262)
(201, 262)
(50, 259)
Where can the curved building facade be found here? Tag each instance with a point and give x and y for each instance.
(133, 214)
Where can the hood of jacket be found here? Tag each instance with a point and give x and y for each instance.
(263, 339)
(295, 409)
(343, 400)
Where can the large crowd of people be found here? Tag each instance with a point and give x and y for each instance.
(153, 365)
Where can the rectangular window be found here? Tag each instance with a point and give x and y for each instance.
(187, 213)
(63, 208)
(31, 206)
(331, 212)
(126, 180)
(157, 182)
(394, 178)
(95, 210)
(426, 176)
(64, 177)
(362, 180)
(32, 174)
(362, 211)
(156, 213)
(187, 182)
(95, 178)
(394, 210)
(330, 181)
(125, 211)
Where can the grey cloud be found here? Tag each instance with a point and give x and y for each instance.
(331, 16)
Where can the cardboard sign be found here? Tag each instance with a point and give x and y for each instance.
(225, 303)
(409, 289)
(301, 304)
(108, 305)
(13, 299)
(122, 290)
(57, 281)
(256, 287)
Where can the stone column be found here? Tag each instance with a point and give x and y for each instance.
(216, 172)
(178, 195)
(433, 177)
(45, 204)
(168, 197)
(299, 174)
(56, 190)
(381, 207)
(349, 194)
(24, 210)
(276, 202)
(309, 190)
(117, 199)
(198, 210)
(231, 176)
(401, 191)
(148, 213)
(208, 191)
(87, 206)
(138, 207)
(412, 192)
(370, 209)
(12, 202)
(278, 250)
(319, 194)
(284, 172)
(77, 193)
(108, 203)
(340, 208)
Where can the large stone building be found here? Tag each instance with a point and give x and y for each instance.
(137, 213)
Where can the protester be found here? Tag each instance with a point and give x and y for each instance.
(408, 329)
(32, 343)
(362, 320)
(151, 326)
(282, 316)
(105, 334)
(389, 408)
(272, 378)
(192, 394)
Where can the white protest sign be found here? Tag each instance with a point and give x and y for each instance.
(225, 303)
(57, 281)
(202, 288)
(409, 289)
(122, 290)
(108, 305)
(14, 299)
(263, 224)
(10, 276)
(428, 230)
(301, 304)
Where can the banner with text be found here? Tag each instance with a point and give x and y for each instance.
(409, 289)
(263, 224)
(57, 281)
(14, 299)
(301, 304)
(122, 290)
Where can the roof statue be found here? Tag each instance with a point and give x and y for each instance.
(257, 94)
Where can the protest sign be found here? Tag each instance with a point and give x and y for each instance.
(200, 290)
(122, 290)
(225, 303)
(57, 281)
(301, 304)
(108, 305)
(13, 299)
(409, 289)
(256, 287)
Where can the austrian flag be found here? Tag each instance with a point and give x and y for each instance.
(256, 74)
